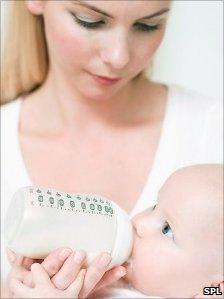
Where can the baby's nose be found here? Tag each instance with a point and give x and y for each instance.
(140, 222)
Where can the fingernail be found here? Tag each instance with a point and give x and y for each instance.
(79, 256)
(64, 253)
(104, 260)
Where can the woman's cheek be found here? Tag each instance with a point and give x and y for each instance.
(144, 52)
(69, 44)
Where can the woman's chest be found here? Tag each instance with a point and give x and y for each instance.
(115, 168)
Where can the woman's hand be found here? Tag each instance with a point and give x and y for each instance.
(21, 266)
(62, 267)
(43, 286)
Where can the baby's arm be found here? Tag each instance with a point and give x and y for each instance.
(43, 286)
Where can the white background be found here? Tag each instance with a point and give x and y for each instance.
(191, 53)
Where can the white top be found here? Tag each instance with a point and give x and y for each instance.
(191, 134)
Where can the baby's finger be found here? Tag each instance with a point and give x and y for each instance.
(18, 289)
(53, 262)
(94, 273)
(69, 270)
(75, 287)
(40, 276)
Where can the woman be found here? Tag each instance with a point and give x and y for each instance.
(86, 118)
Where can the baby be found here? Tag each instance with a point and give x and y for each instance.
(178, 248)
(178, 244)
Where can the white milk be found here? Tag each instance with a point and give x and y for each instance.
(40, 220)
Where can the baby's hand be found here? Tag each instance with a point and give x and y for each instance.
(43, 286)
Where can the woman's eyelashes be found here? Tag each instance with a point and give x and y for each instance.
(88, 23)
(146, 27)
(91, 24)
(166, 230)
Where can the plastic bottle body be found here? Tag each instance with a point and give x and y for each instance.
(40, 220)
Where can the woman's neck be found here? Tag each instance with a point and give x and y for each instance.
(68, 109)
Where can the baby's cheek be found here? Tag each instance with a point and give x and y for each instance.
(142, 265)
(151, 266)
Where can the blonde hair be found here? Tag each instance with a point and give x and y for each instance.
(24, 57)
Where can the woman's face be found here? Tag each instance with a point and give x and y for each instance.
(113, 39)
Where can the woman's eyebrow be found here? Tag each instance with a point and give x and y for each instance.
(156, 14)
(90, 6)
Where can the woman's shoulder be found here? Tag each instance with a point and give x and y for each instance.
(9, 114)
(193, 108)
(11, 106)
(191, 98)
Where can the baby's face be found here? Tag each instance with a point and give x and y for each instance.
(178, 243)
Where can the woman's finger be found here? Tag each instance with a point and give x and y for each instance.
(11, 255)
(53, 262)
(18, 259)
(69, 270)
(94, 273)
(18, 289)
(75, 288)
(110, 277)
(14, 257)
(40, 276)
(17, 272)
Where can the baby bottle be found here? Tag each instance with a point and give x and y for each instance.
(40, 220)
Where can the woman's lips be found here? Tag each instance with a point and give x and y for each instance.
(105, 80)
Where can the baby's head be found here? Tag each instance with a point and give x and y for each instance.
(178, 244)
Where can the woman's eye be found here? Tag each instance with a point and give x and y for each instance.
(88, 23)
(146, 28)
(167, 231)
(92, 24)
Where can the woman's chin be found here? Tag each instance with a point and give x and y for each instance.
(96, 94)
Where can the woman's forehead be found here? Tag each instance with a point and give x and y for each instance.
(128, 9)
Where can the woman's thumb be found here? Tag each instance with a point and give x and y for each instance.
(14, 258)
(11, 256)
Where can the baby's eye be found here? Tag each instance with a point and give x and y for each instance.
(167, 231)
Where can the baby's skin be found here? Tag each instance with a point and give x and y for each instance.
(178, 244)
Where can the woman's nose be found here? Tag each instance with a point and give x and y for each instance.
(116, 51)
